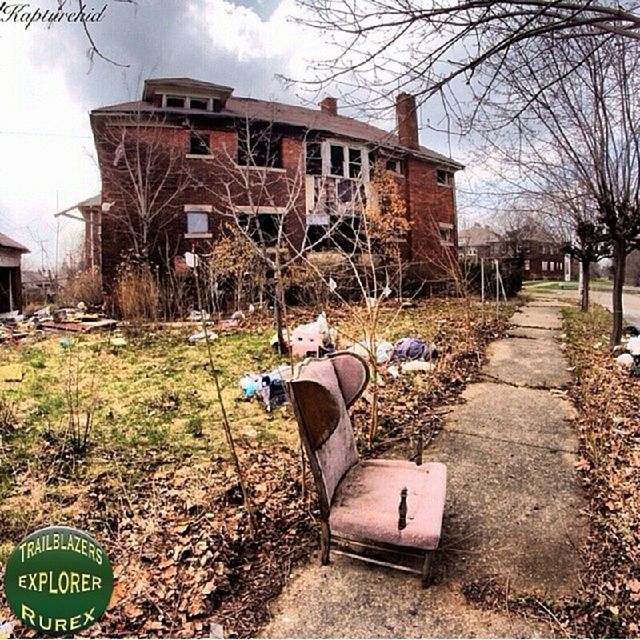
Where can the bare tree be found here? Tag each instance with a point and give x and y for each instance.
(432, 47)
(143, 168)
(579, 132)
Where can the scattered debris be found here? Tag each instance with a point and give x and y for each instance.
(11, 373)
(313, 339)
(197, 337)
(412, 349)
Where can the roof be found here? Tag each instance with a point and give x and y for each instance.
(304, 117)
(93, 201)
(7, 243)
(477, 236)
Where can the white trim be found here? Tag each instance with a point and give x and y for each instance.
(260, 209)
(256, 168)
(201, 156)
(198, 208)
(198, 236)
(445, 225)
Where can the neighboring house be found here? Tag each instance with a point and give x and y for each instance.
(39, 287)
(477, 242)
(632, 272)
(10, 274)
(216, 132)
(91, 212)
(538, 252)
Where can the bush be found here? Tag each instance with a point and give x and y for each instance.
(138, 295)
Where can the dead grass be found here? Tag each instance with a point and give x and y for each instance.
(155, 485)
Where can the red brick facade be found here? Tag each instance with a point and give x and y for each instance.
(424, 178)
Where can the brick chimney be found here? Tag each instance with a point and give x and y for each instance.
(329, 105)
(407, 121)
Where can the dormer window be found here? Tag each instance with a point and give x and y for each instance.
(175, 101)
(199, 103)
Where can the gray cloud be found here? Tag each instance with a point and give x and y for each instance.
(154, 39)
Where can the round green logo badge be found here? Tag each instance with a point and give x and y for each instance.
(58, 580)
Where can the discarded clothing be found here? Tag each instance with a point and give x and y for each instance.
(412, 349)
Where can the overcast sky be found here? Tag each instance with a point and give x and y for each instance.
(47, 159)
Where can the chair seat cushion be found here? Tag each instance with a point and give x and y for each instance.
(366, 503)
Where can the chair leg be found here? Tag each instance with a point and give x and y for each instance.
(427, 569)
(325, 542)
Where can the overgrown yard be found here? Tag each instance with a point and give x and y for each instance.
(153, 482)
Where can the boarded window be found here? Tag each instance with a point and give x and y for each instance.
(199, 144)
(197, 222)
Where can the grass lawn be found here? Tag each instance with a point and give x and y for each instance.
(598, 284)
(155, 485)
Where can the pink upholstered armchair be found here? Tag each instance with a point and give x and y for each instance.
(376, 510)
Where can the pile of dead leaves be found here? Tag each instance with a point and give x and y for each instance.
(184, 560)
(608, 401)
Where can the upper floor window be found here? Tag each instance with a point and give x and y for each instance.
(314, 159)
(199, 103)
(175, 101)
(259, 146)
(199, 144)
(444, 177)
(337, 160)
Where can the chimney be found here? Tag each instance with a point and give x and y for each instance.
(407, 121)
(330, 106)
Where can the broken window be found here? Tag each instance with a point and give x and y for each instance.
(444, 177)
(259, 146)
(199, 144)
(355, 162)
(336, 167)
(314, 159)
(175, 101)
(446, 233)
(262, 228)
(393, 164)
(197, 222)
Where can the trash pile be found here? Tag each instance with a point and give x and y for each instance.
(630, 347)
(17, 326)
(269, 387)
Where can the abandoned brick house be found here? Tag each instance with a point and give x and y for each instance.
(221, 137)
(539, 253)
(10, 274)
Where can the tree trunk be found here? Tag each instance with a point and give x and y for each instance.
(277, 312)
(586, 277)
(619, 260)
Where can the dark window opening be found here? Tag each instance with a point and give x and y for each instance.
(259, 146)
(175, 101)
(444, 177)
(314, 159)
(199, 144)
(199, 103)
(262, 228)
(345, 233)
(355, 163)
(393, 164)
(318, 237)
(337, 160)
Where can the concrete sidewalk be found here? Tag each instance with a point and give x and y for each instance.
(513, 510)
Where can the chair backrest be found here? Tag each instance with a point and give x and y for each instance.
(321, 395)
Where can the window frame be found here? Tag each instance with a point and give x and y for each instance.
(194, 154)
(448, 178)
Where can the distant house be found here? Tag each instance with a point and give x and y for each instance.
(540, 255)
(10, 274)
